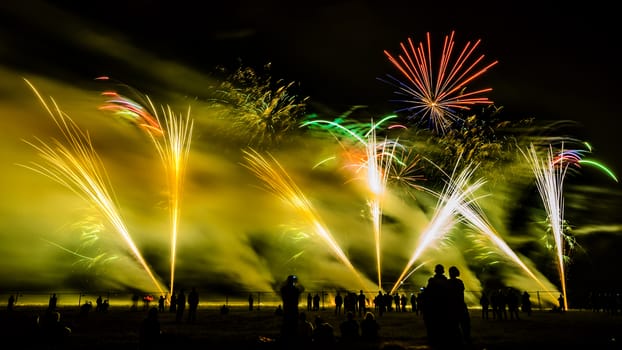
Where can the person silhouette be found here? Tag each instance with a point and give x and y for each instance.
(404, 302)
(338, 303)
(11, 303)
(413, 302)
(98, 304)
(380, 304)
(290, 295)
(513, 299)
(85, 308)
(309, 302)
(349, 328)
(150, 331)
(135, 299)
(305, 331)
(369, 327)
(362, 303)
(278, 311)
(52, 303)
(396, 302)
(435, 314)
(161, 303)
(484, 301)
(53, 332)
(250, 302)
(316, 302)
(173, 304)
(193, 304)
(459, 320)
(526, 303)
(323, 334)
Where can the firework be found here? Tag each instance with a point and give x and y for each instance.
(278, 182)
(171, 135)
(88, 260)
(576, 157)
(474, 216)
(549, 175)
(600, 166)
(379, 159)
(406, 170)
(456, 192)
(75, 165)
(261, 111)
(376, 164)
(128, 109)
(375, 161)
(436, 94)
(458, 199)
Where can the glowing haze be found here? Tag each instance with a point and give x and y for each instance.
(231, 234)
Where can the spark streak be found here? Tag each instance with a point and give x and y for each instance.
(474, 216)
(174, 149)
(173, 145)
(278, 182)
(550, 180)
(601, 167)
(445, 215)
(76, 166)
(377, 166)
(458, 199)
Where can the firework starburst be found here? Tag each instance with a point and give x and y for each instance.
(261, 111)
(437, 93)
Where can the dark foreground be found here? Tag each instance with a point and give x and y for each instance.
(118, 328)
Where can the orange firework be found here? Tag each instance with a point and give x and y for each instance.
(436, 94)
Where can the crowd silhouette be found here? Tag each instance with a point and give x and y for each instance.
(357, 318)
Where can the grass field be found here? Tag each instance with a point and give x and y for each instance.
(118, 328)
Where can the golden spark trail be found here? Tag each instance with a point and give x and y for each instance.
(174, 149)
(475, 217)
(72, 252)
(458, 199)
(172, 137)
(281, 184)
(377, 167)
(444, 217)
(411, 272)
(77, 167)
(550, 180)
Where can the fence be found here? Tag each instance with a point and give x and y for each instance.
(261, 299)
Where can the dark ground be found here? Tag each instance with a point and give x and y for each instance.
(118, 328)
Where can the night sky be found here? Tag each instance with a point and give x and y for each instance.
(554, 64)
